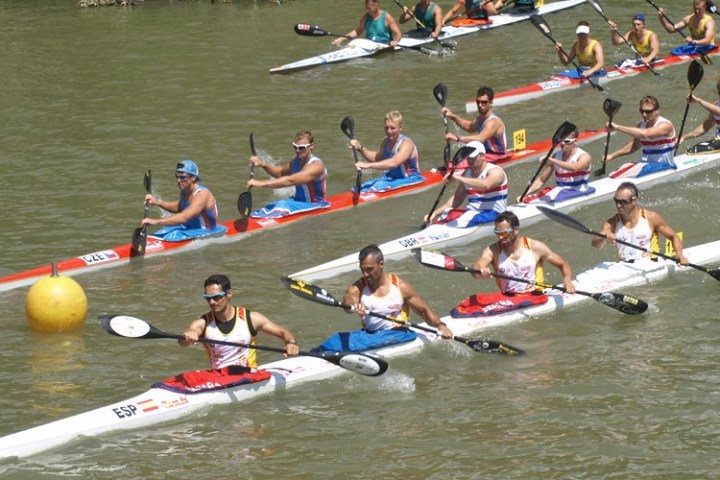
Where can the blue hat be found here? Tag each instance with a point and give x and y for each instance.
(189, 167)
(639, 16)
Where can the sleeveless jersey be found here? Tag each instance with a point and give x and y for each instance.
(640, 235)
(698, 33)
(496, 144)
(658, 149)
(426, 17)
(376, 30)
(642, 45)
(391, 305)
(568, 179)
(313, 191)
(491, 199)
(524, 267)
(242, 332)
(586, 58)
(407, 169)
(717, 121)
(206, 219)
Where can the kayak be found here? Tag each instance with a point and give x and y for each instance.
(158, 405)
(239, 228)
(558, 83)
(436, 235)
(361, 47)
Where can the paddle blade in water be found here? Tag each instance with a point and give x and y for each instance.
(244, 204)
(139, 242)
(486, 345)
(363, 364)
(622, 303)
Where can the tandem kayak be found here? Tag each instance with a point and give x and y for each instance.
(436, 235)
(558, 83)
(158, 405)
(360, 47)
(237, 229)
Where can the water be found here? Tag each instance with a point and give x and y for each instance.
(94, 97)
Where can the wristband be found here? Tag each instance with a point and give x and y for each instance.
(458, 138)
(291, 342)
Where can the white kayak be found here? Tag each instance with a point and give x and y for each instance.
(358, 48)
(159, 405)
(436, 236)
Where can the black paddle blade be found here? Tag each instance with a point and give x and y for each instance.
(611, 107)
(695, 74)
(244, 204)
(308, 30)
(309, 291)
(486, 345)
(252, 145)
(139, 242)
(440, 93)
(347, 125)
(147, 181)
(562, 132)
(540, 24)
(621, 302)
(715, 273)
(564, 219)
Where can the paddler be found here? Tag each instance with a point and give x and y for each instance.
(473, 9)
(386, 294)
(588, 51)
(655, 134)
(483, 185)
(712, 120)
(636, 225)
(516, 256)
(487, 128)
(644, 41)
(377, 25)
(429, 13)
(700, 24)
(230, 323)
(194, 214)
(306, 172)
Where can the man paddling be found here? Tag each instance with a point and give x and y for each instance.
(700, 24)
(231, 323)
(427, 12)
(306, 172)
(644, 41)
(483, 185)
(194, 214)
(388, 295)
(473, 9)
(377, 25)
(397, 156)
(712, 120)
(516, 256)
(571, 166)
(487, 128)
(588, 51)
(636, 225)
(655, 134)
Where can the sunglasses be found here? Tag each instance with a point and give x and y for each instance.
(301, 147)
(569, 141)
(623, 201)
(647, 111)
(216, 297)
(182, 177)
(482, 102)
(503, 233)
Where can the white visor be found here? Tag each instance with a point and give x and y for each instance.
(583, 29)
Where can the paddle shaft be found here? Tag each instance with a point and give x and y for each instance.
(347, 125)
(421, 24)
(610, 115)
(598, 8)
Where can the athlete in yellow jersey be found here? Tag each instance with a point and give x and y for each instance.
(589, 52)
(644, 41)
(700, 24)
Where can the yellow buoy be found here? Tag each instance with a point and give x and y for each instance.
(56, 304)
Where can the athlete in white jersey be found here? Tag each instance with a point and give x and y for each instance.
(234, 324)
(636, 225)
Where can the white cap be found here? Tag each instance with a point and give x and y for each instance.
(582, 29)
(477, 147)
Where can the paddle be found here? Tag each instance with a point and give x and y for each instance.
(348, 128)
(711, 7)
(245, 199)
(319, 295)
(131, 327)
(694, 75)
(610, 107)
(440, 92)
(139, 236)
(307, 30)
(459, 156)
(561, 133)
(702, 54)
(618, 301)
(570, 222)
(596, 5)
(540, 24)
(422, 25)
